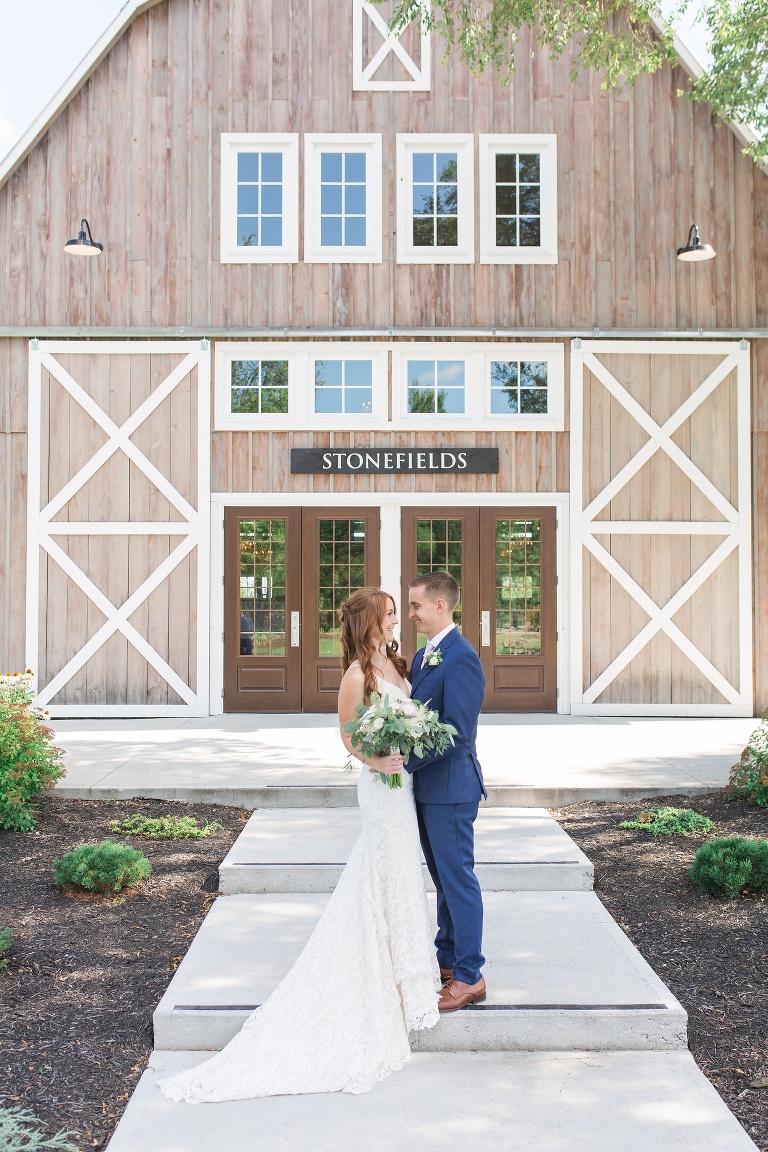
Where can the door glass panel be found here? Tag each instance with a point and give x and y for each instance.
(262, 587)
(439, 548)
(518, 587)
(341, 565)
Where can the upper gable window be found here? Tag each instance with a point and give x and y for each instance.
(259, 198)
(518, 199)
(435, 199)
(342, 198)
(387, 61)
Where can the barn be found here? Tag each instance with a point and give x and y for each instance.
(360, 315)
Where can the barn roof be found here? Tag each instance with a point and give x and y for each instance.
(133, 8)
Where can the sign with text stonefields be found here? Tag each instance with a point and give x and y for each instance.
(333, 461)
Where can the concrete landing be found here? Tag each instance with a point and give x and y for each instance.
(305, 850)
(561, 975)
(296, 761)
(497, 1102)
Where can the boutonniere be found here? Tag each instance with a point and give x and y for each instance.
(434, 658)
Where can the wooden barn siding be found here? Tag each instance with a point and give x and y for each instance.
(138, 151)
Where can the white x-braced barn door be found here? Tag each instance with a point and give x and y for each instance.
(660, 528)
(118, 528)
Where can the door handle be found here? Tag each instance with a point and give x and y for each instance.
(485, 629)
(295, 626)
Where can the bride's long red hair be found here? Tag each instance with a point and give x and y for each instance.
(362, 631)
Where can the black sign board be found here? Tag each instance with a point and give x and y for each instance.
(333, 461)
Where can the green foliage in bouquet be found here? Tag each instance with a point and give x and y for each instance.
(749, 778)
(29, 761)
(104, 867)
(386, 727)
(6, 939)
(670, 822)
(730, 865)
(164, 827)
(21, 1131)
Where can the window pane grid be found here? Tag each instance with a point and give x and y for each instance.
(262, 588)
(518, 200)
(344, 386)
(259, 386)
(341, 568)
(518, 587)
(519, 387)
(342, 200)
(435, 199)
(259, 199)
(436, 386)
(439, 548)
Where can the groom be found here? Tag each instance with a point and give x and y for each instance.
(447, 787)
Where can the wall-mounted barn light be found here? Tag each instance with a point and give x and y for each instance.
(84, 245)
(694, 249)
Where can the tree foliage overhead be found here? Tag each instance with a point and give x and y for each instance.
(619, 39)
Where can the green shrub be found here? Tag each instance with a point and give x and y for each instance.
(729, 865)
(21, 1131)
(104, 867)
(29, 762)
(6, 939)
(749, 778)
(164, 828)
(670, 822)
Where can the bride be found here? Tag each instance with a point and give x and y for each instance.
(340, 1019)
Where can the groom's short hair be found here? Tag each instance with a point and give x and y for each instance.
(438, 586)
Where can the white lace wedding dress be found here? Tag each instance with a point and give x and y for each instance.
(340, 1019)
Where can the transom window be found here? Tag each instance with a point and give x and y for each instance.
(518, 199)
(259, 386)
(519, 386)
(436, 386)
(259, 199)
(344, 386)
(435, 199)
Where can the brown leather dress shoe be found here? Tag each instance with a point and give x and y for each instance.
(446, 974)
(456, 994)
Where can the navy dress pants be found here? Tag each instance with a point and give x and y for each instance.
(448, 841)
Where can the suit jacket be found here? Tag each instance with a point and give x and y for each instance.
(455, 687)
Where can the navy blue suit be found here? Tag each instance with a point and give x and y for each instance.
(447, 789)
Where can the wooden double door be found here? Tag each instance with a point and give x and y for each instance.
(288, 570)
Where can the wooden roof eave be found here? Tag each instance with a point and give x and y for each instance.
(72, 86)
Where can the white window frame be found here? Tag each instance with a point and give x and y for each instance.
(463, 144)
(368, 145)
(301, 413)
(477, 415)
(362, 78)
(488, 148)
(288, 145)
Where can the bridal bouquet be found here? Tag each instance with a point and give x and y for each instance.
(402, 726)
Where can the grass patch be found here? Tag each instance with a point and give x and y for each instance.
(164, 827)
(670, 822)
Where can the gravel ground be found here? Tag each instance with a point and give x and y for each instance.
(712, 953)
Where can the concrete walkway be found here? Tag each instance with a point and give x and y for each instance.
(297, 761)
(580, 1046)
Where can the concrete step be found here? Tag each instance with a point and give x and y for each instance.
(500, 1102)
(305, 850)
(561, 975)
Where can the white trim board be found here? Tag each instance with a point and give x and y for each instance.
(734, 527)
(389, 504)
(190, 529)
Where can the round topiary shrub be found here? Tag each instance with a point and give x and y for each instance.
(105, 867)
(729, 865)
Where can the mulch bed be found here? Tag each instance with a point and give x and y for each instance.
(84, 975)
(712, 953)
